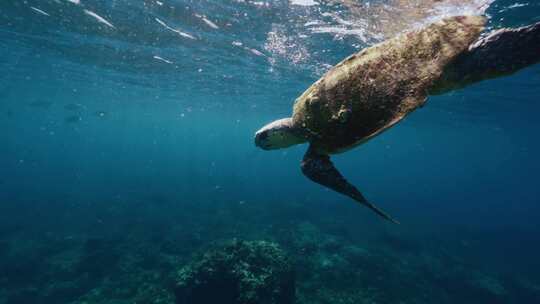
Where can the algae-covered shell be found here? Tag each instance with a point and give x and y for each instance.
(371, 90)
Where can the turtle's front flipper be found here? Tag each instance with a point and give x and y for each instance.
(321, 170)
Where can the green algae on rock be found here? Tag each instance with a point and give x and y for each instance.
(239, 272)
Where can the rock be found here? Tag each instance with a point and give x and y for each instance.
(238, 272)
(99, 257)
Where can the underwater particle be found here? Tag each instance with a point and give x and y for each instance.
(207, 21)
(303, 2)
(182, 34)
(99, 18)
(238, 272)
(210, 23)
(37, 10)
(162, 59)
(101, 114)
(280, 45)
(256, 52)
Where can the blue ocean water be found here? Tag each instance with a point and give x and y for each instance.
(132, 123)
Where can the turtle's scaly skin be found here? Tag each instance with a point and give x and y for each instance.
(372, 90)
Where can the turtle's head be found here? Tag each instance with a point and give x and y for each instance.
(277, 135)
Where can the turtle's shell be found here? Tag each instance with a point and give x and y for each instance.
(372, 90)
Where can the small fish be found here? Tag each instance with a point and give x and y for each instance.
(101, 114)
(73, 119)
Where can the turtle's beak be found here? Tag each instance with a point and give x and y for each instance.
(261, 139)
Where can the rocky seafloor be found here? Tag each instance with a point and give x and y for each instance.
(143, 254)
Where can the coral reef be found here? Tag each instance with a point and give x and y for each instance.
(157, 265)
(240, 272)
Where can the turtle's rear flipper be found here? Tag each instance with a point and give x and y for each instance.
(500, 53)
(321, 170)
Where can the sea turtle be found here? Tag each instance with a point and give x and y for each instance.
(372, 90)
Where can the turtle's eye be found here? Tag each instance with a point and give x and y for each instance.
(261, 139)
(263, 135)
